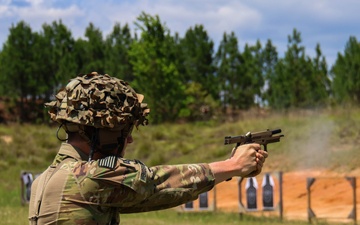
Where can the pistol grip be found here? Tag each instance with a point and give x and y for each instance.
(265, 148)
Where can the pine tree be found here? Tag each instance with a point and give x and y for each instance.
(117, 61)
(155, 69)
(346, 73)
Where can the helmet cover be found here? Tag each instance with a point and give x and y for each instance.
(99, 101)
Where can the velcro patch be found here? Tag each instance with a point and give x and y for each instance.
(143, 171)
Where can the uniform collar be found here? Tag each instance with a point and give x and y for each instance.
(70, 150)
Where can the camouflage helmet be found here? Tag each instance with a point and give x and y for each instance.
(99, 101)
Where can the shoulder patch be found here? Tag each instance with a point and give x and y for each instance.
(143, 171)
(108, 162)
(127, 161)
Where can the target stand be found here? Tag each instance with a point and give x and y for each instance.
(351, 195)
(267, 191)
(205, 202)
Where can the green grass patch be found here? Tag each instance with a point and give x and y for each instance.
(313, 140)
(17, 215)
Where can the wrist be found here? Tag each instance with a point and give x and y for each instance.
(223, 170)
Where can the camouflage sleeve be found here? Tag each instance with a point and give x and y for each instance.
(175, 185)
(134, 187)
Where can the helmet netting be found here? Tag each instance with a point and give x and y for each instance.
(100, 101)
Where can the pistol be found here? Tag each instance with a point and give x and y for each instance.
(263, 138)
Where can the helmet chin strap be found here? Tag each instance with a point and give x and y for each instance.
(121, 145)
(125, 132)
(108, 142)
(94, 141)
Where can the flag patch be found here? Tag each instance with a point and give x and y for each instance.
(108, 162)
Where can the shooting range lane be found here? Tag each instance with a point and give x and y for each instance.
(331, 194)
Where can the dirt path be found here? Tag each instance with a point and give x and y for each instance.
(331, 195)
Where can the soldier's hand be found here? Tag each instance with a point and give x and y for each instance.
(245, 161)
(261, 155)
(248, 159)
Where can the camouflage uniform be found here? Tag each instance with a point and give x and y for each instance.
(74, 191)
(78, 190)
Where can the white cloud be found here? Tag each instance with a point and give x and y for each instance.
(35, 2)
(3, 10)
(178, 17)
(41, 14)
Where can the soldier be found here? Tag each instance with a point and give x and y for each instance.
(90, 181)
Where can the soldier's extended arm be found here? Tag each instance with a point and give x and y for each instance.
(262, 138)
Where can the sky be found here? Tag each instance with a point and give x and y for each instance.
(327, 22)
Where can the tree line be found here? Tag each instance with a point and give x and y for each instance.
(181, 77)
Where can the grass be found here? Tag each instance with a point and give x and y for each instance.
(313, 139)
(17, 215)
(171, 217)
